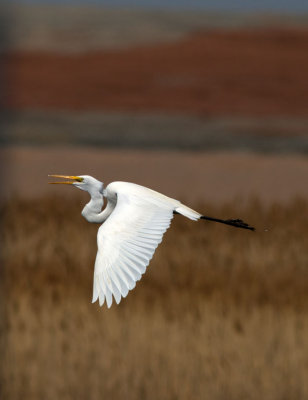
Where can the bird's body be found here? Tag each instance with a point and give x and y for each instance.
(133, 224)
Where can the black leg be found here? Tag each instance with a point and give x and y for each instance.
(238, 223)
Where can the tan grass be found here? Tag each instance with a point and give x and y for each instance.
(220, 314)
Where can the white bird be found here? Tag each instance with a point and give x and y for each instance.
(133, 224)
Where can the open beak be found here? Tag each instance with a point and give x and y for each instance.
(73, 178)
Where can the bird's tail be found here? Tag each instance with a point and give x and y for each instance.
(194, 215)
(188, 212)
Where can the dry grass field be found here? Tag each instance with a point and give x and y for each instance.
(220, 314)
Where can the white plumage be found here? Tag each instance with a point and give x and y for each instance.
(129, 237)
(133, 224)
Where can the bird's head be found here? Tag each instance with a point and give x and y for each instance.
(83, 182)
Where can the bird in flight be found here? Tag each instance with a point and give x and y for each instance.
(133, 224)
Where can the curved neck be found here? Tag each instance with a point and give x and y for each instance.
(92, 211)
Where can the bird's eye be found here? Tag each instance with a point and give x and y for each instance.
(78, 179)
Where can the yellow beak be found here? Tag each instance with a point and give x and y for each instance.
(74, 178)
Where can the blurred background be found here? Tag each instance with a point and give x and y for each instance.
(204, 102)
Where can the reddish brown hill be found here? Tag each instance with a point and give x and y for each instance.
(243, 73)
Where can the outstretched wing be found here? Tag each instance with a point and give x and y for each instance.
(126, 243)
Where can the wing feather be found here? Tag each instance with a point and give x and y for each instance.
(126, 243)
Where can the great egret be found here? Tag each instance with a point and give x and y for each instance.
(134, 222)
